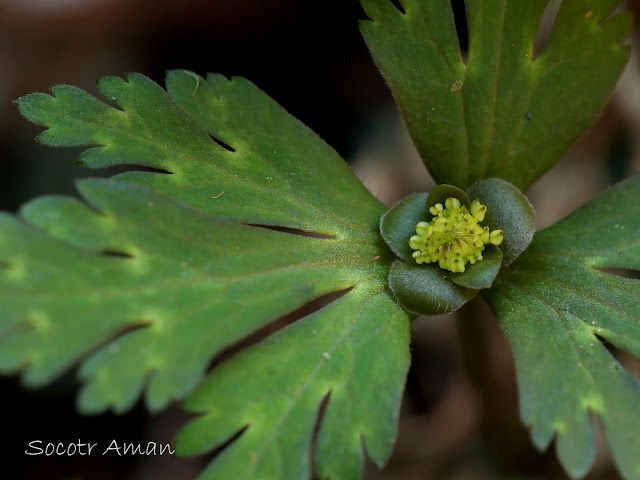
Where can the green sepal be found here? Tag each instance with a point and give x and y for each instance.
(426, 289)
(507, 210)
(399, 223)
(442, 192)
(481, 274)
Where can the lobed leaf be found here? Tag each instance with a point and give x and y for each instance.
(337, 352)
(503, 113)
(275, 175)
(558, 309)
(158, 274)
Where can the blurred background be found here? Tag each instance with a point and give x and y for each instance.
(459, 417)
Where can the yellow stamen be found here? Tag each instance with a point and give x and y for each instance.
(454, 237)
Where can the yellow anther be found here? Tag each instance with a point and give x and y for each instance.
(485, 235)
(454, 237)
(422, 228)
(496, 237)
(478, 210)
(452, 203)
(436, 209)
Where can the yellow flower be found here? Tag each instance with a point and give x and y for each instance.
(454, 237)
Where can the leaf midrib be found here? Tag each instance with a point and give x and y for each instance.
(579, 292)
(494, 100)
(142, 288)
(190, 156)
(579, 351)
(315, 371)
(249, 146)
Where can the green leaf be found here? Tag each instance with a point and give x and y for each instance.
(276, 175)
(426, 289)
(503, 113)
(481, 274)
(557, 308)
(399, 223)
(334, 352)
(157, 274)
(507, 210)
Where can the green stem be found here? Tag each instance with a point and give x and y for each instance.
(489, 364)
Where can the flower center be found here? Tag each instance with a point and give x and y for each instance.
(454, 237)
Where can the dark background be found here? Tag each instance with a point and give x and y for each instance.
(459, 418)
